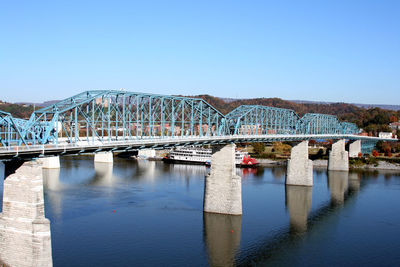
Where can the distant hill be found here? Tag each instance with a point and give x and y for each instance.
(367, 106)
(40, 105)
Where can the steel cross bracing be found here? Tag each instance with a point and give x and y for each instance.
(100, 118)
(108, 116)
(257, 119)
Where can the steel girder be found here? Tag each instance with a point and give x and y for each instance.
(10, 129)
(107, 116)
(255, 119)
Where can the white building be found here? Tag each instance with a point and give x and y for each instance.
(385, 135)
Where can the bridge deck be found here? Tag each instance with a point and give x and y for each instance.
(158, 143)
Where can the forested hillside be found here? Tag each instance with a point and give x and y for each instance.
(17, 110)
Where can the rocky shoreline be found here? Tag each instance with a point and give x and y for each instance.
(382, 165)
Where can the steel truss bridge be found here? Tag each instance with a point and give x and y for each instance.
(104, 120)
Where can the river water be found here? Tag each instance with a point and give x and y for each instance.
(144, 213)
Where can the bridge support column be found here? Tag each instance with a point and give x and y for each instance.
(299, 167)
(105, 157)
(223, 188)
(24, 230)
(354, 149)
(51, 162)
(338, 157)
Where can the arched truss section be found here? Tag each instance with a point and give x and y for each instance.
(313, 123)
(251, 120)
(11, 129)
(107, 116)
(256, 119)
(350, 128)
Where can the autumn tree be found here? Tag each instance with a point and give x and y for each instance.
(258, 147)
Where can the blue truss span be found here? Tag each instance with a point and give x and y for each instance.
(256, 119)
(108, 116)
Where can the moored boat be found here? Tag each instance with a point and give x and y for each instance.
(197, 155)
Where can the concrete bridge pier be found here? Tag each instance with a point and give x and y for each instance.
(338, 182)
(222, 237)
(338, 157)
(104, 157)
(298, 202)
(354, 149)
(299, 167)
(223, 188)
(51, 162)
(25, 238)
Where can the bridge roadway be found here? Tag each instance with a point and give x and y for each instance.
(80, 147)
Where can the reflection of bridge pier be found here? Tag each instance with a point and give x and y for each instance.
(276, 248)
(51, 181)
(104, 174)
(146, 169)
(354, 182)
(24, 231)
(298, 202)
(338, 184)
(222, 237)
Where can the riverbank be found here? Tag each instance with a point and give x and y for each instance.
(323, 164)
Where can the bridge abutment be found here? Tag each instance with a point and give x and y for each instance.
(51, 162)
(354, 149)
(104, 157)
(223, 188)
(299, 167)
(24, 230)
(338, 157)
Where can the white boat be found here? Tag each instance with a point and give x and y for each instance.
(198, 155)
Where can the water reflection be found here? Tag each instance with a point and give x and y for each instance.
(278, 172)
(146, 169)
(354, 181)
(298, 202)
(51, 182)
(103, 174)
(143, 188)
(222, 237)
(338, 184)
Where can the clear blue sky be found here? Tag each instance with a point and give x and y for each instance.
(328, 50)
